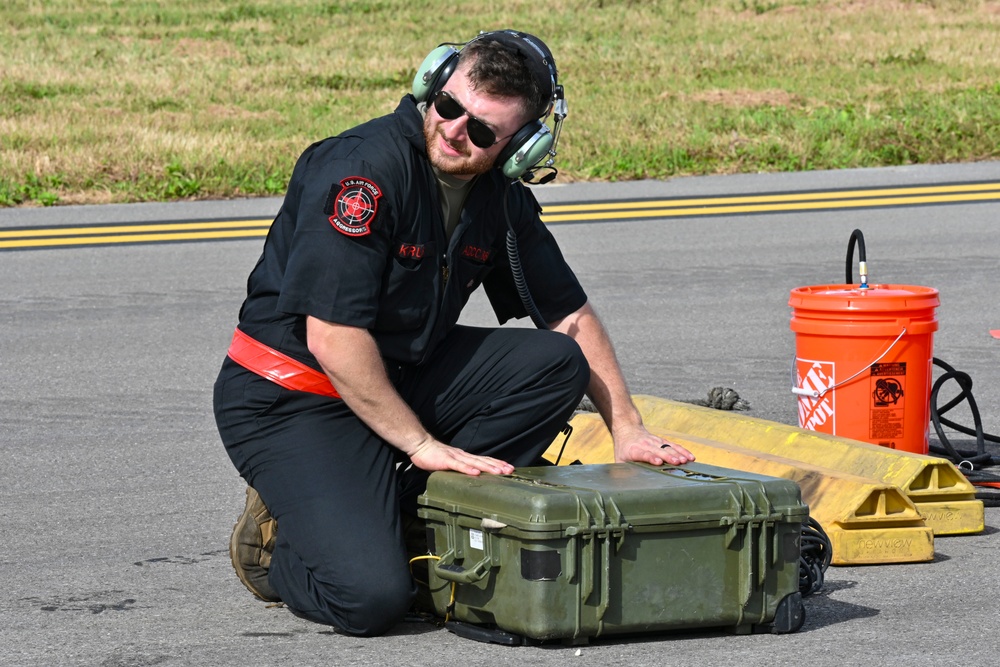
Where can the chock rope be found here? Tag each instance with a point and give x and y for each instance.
(722, 398)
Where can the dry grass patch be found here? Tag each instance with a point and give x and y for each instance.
(743, 98)
(124, 101)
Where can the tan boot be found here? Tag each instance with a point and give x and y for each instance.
(251, 545)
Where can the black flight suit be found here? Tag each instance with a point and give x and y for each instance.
(360, 241)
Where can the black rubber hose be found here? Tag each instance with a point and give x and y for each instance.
(964, 380)
(859, 238)
(974, 465)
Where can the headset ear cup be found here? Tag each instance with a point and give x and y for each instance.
(434, 72)
(526, 149)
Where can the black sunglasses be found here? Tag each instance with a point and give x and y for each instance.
(449, 108)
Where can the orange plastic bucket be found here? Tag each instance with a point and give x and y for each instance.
(863, 361)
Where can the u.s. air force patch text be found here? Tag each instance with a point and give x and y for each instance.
(355, 206)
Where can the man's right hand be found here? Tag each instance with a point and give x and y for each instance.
(431, 455)
(351, 359)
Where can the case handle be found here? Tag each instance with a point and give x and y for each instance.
(448, 570)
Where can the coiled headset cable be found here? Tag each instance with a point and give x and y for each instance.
(517, 272)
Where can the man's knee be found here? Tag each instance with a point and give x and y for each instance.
(353, 577)
(571, 364)
(368, 609)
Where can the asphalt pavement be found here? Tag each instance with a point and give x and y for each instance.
(118, 498)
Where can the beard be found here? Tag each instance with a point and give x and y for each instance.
(456, 165)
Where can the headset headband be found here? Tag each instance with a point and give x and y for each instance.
(538, 58)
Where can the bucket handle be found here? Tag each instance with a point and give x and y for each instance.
(812, 393)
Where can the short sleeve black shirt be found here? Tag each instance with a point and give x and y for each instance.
(360, 241)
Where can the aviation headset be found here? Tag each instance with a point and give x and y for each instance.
(533, 142)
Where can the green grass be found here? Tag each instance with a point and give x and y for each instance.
(114, 101)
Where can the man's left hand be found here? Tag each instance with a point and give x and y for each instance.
(641, 446)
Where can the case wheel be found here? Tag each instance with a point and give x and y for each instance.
(790, 614)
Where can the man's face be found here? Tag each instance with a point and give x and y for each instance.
(449, 147)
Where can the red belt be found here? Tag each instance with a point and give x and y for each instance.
(277, 367)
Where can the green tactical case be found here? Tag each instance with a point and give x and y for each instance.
(575, 552)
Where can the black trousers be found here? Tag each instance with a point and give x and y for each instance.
(335, 488)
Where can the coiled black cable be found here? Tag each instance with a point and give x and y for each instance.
(971, 463)
(816, 554)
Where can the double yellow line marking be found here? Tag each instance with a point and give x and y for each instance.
(806, 201)
(54, 237)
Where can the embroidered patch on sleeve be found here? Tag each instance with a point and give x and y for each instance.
(355, 206)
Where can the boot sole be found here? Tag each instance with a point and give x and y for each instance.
(253, 577)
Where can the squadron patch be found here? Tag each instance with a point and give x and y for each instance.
(355, 206)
